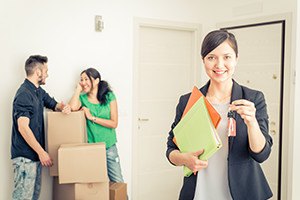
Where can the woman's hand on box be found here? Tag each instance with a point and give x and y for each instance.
(87, 113)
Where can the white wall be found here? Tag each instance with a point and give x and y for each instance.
(64, 31)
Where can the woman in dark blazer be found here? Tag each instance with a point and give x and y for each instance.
(234, 172)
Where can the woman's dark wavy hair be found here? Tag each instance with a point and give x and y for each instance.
(103, 86)
(214, 38)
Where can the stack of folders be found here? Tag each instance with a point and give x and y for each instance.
(197, 128)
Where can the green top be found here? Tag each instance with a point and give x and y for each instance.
(97, 132)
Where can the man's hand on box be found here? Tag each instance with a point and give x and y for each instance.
(45, 159)
(66, 109)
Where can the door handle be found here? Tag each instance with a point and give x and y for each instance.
(273, 128)
(273, 132)
(143, 119)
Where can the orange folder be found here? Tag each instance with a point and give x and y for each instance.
(195, 95)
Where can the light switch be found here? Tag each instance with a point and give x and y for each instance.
(99, 25)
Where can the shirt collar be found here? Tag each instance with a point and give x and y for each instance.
(31, 86)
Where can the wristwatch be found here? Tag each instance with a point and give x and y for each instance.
(94, 119)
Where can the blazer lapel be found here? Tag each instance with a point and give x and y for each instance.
(237, 93)
(204, 89)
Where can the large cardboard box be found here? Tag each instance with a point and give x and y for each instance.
(82, 163)
(80, 191)
(117, 191)
(64, 129)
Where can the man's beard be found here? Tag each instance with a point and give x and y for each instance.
(41, 81)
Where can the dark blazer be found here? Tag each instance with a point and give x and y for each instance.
(246, 179)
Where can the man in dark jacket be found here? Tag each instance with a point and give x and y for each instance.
(28, 137)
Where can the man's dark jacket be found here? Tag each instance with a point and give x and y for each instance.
(29, 102)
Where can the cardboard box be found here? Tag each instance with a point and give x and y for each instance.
(64, 129)
(82, 163)
(63, 191)
(117, 191)
(80, 191)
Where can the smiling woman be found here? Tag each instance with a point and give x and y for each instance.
(220, 63)
(99, 104)
(234, 171)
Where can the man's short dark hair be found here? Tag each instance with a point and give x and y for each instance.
(33, 61)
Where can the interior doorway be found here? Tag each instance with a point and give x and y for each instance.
(166, 66)
(264, 65)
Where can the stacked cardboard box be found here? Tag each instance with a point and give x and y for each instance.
(80, 167)
(82, 163)
(117, 191)
(64, 129)
(85, 191)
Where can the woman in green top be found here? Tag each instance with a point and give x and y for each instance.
(99, 104)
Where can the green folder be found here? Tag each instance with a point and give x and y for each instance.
(195, 131)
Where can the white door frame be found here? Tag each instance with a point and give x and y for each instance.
(143, 22)
(287, 98)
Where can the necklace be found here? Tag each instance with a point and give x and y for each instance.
(216, 99)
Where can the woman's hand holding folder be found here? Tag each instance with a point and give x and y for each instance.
(193, 162)
(190, 160)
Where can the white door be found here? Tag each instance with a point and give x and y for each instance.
(260, 67)
(166, 57)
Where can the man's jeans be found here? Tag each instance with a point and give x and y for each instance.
(113, 164)
(27, 179)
